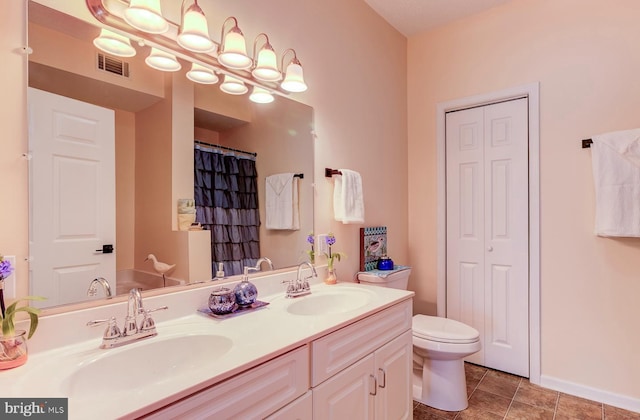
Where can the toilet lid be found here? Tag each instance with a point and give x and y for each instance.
(443, 330)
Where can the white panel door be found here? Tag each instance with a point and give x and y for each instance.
(487, 230)
(72, 196)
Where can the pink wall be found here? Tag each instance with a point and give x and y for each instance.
(585, 55)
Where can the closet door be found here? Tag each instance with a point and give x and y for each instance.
(487, 230)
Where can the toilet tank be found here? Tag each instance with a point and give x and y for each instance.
(396, 279)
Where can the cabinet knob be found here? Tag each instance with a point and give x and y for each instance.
(489, 248)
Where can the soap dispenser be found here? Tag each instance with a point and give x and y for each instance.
(246, 292)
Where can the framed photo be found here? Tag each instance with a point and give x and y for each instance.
(373, 245)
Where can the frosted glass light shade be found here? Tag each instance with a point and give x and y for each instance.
(260, 95)
(146, 15)
(194, 33)
(201, 74)
(163, 61)
(114, 44)
(233, 86)
(267, 66)
(234, 51)
(294, 79)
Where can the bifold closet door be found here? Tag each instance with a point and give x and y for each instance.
(487, 230)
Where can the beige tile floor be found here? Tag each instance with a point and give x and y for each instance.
(497, 395)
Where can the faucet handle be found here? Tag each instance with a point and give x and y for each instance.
(147, 322)
(112, 330)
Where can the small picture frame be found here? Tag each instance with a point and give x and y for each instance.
(373, 245)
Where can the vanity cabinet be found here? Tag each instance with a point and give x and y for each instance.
(360, 371)
(364, 370)
(253, 394)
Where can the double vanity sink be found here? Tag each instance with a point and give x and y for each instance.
(191, 352)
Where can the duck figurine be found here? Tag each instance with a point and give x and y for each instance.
(160, 267)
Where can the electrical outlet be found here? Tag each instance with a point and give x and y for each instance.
(10, 281)
(321, 244)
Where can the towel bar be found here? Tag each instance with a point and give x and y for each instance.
(331, 172)
(586, 143)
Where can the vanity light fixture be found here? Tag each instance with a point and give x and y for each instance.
(202, 74)
(114, 44)
(146, 15)
(260, 95)
(190, 42)
(162, 61)
(233, 86)
(233, 53)
(194, 31)
(294, 78)
(266, 68)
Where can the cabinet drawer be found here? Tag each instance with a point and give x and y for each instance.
(253, 394)
(338, 350)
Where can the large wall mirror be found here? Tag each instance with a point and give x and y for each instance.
(157, 118)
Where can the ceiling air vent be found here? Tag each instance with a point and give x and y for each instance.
(113, 65)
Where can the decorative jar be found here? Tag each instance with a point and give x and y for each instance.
(222, 301)
(13, 350)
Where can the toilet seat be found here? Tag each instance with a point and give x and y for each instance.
(443, 330)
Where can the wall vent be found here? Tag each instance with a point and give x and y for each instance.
(113, 65)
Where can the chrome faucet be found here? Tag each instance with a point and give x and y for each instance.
(132, 330)
(264, 259)
(93, 287)
(300, 286)
(257, 267)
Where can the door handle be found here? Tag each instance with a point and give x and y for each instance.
(383, 382)
(375, 386)
(106, 249)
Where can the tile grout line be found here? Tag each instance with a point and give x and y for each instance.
(512, 399)
(555, 409)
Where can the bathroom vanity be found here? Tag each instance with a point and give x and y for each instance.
(343, 351)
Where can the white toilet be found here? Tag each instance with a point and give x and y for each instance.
(439, 347)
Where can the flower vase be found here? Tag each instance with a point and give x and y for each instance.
(331, 276)
(13, 350)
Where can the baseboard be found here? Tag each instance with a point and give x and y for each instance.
(606, 397)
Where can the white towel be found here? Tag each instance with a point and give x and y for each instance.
(282, 208)
(616, 173)
(348, 201)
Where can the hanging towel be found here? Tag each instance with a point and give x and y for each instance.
(348, 201)
(282, 209)
(616, 173)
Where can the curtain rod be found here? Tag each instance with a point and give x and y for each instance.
(217, 146)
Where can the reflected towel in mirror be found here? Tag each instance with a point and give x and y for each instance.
(282, 208)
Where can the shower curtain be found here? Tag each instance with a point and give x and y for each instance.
(226, 196)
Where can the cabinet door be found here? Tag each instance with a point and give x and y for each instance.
(348, 395)
(393, 364)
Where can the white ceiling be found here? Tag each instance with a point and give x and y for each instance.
(413, 16)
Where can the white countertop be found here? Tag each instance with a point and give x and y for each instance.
(257, 336)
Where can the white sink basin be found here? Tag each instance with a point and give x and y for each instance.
(151, 361)
(327, 302)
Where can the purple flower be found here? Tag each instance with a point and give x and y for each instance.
(5, 269)
(330, 239)
(311, 239)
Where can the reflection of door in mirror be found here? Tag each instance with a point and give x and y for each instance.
(72, 196)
